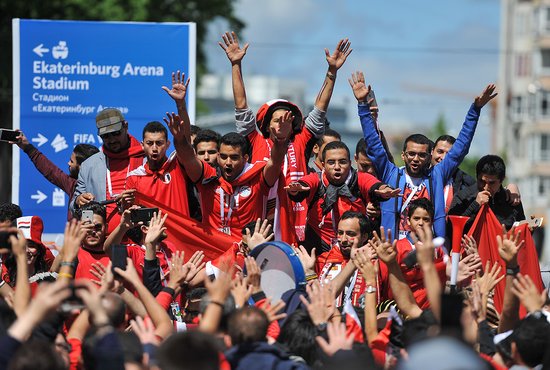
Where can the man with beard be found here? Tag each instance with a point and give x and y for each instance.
(353, 231)
(338, 189)
(234, 193)
(103, 176)
(91, 250)
(417, 178)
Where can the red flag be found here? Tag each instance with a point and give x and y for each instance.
(353, 325)
(484, 230)
(190, 235)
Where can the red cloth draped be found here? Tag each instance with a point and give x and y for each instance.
(484, 230)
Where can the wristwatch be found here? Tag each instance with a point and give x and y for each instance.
(370, 289)
(322, 326)
(513, 271)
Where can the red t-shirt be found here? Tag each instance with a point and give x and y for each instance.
(229, 206)
(85, 259)
(414, 276)
(326, 226)
(165, 188)
(164, 255)
(117, 171)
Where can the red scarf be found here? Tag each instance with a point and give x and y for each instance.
(134, 153)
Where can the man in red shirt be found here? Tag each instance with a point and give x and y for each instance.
(235, 193)
(160, 182)
(258, 130)
(328, 195)
(91, 250)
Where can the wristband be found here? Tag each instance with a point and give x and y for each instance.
(331, 76)
(512, 271)
(64, 274)
(71, 264)
(169, 290)
(311, 277)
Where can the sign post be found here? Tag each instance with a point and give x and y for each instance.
(65, 72)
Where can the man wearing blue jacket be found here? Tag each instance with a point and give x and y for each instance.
(416, 178)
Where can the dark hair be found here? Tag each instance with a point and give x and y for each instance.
(84, 151)
(330, 133)
(417, 329)
(247, 325)
(154, 127)
(131, 347)
(40, 265)
(235, 140)
(10, 212)
(115, 309)
(422, 203)
(531, 338)
(95, 207)
(189, 351)
(195, 130)
(491, 165)
(364, 224)
(207, 136)
(361, 147)
(7, 316)
(334, 145)
(418, 139)
(298, 336)
(37, 355)
(447, 138)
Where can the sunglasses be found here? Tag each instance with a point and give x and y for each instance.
(111, 134)
(421, 155)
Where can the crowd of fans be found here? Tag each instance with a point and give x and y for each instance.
(156, 270)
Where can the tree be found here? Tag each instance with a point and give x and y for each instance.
(199, 11)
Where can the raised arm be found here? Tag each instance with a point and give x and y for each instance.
(425, 256)
(375, 149)
(335, 61)
(118, 233)
(178, 93)
(272, 170)
(184, 150)
(387, 252)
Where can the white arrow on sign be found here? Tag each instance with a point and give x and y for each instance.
(41, 140)
(39, 197)
(40, 50)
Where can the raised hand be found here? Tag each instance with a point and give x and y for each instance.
(253, 274)
(18, 243)
(295, 187)
(22, 141)
(425, 246)
(176, 126)
(74, 234)
(156, 228)
(179, 88)
(240, 290)
(528, 294)
(130, 274)
(337, 339)
(319, 309)
(262, 233)
(126, 198)
(230, 45)
(387, 192)
(271, 310)
(490, 278)
(340, 54)
(126, 219)
(285, 125)
(483, 197)
(469, 244)
(363, 262)
(485, 96)
(145, 330)
(508, 246)
(307, 260)
(467, 267)
(385, 249)
(360, 89)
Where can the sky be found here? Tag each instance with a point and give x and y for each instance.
(423, 58)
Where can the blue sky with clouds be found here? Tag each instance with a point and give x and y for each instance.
(423, 58)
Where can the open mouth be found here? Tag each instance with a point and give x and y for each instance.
(228, 170)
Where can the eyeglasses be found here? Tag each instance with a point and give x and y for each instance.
(111, 134)
(421, 155)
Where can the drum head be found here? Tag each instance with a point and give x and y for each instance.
(281, 268)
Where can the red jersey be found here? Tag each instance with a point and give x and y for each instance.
(163, 254)
(229, 206)
(414, 275)
(85, 259)
(286, 211)
(325, 225)
(165, 188)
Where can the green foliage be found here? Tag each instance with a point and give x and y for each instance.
(440, 128)
(468, 165)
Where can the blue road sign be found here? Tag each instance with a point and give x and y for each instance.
(64, 72)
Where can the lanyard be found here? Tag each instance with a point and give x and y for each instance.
(233, 203)
(414, 189)
(109, 183)
(350, 287)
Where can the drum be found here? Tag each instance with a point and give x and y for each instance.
(281, 269)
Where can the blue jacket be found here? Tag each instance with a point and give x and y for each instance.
(435, 179)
